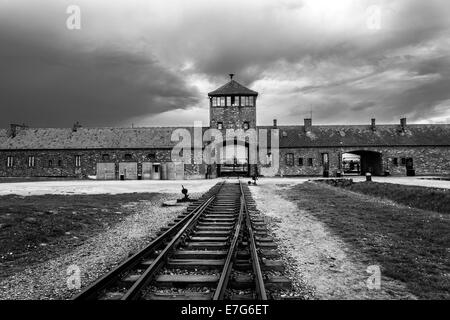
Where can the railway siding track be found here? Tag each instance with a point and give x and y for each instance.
(218, 249)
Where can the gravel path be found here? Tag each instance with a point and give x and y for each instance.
(314, 255)
(98, 255)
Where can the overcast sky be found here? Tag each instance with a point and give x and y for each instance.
(151, 62)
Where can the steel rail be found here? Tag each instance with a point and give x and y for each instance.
(225, 276)
(93, 290)
(259, 282)
(134, 292)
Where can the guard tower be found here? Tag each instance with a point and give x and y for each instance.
(233, 106)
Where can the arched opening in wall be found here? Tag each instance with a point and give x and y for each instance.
(233, 159)
(361, 162)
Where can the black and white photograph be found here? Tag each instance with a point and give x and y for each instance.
(224, 158)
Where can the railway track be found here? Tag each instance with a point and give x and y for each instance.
(218, 249)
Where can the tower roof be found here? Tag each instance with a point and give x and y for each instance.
(233, 87)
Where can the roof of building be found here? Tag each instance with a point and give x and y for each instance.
(90, 138)
(360, 136)
(232, 88)
(160, 137)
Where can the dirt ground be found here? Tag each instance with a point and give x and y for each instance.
(95, 256)
(323, 260)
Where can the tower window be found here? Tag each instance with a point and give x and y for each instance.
(300, 162)
(235, 101)
(214, 101)
(221, 101)
(229, 101)
(219, 125)
(60, 163)
(310, 162)
(244, 101)
(251, 101)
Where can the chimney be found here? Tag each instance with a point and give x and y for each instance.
(76, 126)
(231, 76)
(274, 123)
(374, 126)
(15, 128)
(403, 124)
(308, 125)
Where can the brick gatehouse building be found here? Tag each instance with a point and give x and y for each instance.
(304, 150)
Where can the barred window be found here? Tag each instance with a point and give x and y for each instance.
(31, 161)
(77, 161)
(290, 159)
(10, 161)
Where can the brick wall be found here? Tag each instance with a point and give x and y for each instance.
(233, 117)
(427, 160)
(89, 160)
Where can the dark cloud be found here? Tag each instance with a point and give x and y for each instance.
(135, 61)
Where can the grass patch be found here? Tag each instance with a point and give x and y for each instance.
(433, 199)
(409, 244)
(35, 228)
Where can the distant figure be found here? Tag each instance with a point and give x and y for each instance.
(184, 191)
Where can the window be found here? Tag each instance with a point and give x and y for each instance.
(156, 169)
(10, 161)
(50, 163)
(300, 162)
(235, 101)
(214, 101)
(246, 125)
(151, 156)
(219, 125)
(310, 162)
(251, 101)
(105, 157)
(221, 101)
(290, 159)
(229, 101)
(244, 101)
(128, 156)
(77, 161)
(403, 161)
(60, 163)
(395, 162)
(31, 161)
